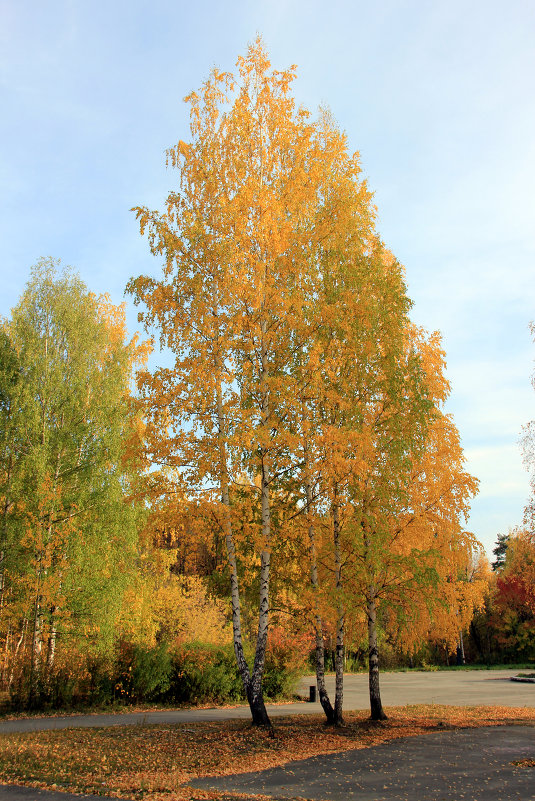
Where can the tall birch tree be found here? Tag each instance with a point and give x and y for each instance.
(409, 504)
(238, 298)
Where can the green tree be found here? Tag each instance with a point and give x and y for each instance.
(10, 455)
(68, 512)
(500, 550)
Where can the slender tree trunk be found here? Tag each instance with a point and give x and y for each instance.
(256, 700)
(460, 650)
(318, 625)
(20, 642)
(5, 660)
(51, 644)
(376, 708)
(2, 578)
(4, 537)
(325, 701)
(37, 639)
(340, 623)
(39, 669)
(243, 667)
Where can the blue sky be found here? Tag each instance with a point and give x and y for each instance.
(437, 97)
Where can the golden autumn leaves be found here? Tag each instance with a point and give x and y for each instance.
(301, 404)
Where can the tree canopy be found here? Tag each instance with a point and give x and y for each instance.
(298, 385)
(69, 518)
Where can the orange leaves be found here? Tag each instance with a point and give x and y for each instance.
(297, 375)
(259, 187)
(513, 596)
(156, 762)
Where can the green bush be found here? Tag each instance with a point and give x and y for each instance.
(209, 674)
(142, 674)
(205, 673)
(280, 677)
(196, 673)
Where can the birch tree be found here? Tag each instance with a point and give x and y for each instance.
(237, 299)
(409, 505)
(67, 516)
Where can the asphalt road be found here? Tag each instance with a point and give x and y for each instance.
(12, 792)
(463, 688)
(471, 764)
(468, 764)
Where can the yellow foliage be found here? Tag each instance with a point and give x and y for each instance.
(186, 612)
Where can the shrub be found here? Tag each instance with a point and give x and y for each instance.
(286, 661)
(141, 673)
(203, 672)
(208, 673)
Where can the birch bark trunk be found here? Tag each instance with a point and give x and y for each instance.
(256, 700)
(254, 696)
(340, 623)
(4, 539)
(37, 642)
(20, 642)
(324, 699)
(376, 708)
(51, 644)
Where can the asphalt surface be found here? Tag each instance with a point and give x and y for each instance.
(456, 687)
(463, 688)
(468, 764)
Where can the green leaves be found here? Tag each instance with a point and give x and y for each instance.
(68, 528)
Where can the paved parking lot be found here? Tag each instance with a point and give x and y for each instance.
(467, 764)
(457, 687)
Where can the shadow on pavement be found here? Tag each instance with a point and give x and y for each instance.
(471, 764)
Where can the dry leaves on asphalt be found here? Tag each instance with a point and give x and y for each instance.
(155, 762)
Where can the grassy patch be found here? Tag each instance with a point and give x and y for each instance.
(436, 668)
(155, 762)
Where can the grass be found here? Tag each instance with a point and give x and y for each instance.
(156, 762)
(433, 668)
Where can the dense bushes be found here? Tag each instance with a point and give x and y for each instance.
(142, 674)
(191, 673)
(203, 673)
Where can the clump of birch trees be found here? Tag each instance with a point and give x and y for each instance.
(302, 413)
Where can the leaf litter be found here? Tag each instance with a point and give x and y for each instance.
(155, 762)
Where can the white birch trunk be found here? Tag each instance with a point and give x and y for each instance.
(340, 622)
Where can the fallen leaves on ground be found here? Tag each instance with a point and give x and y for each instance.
(155, 762)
